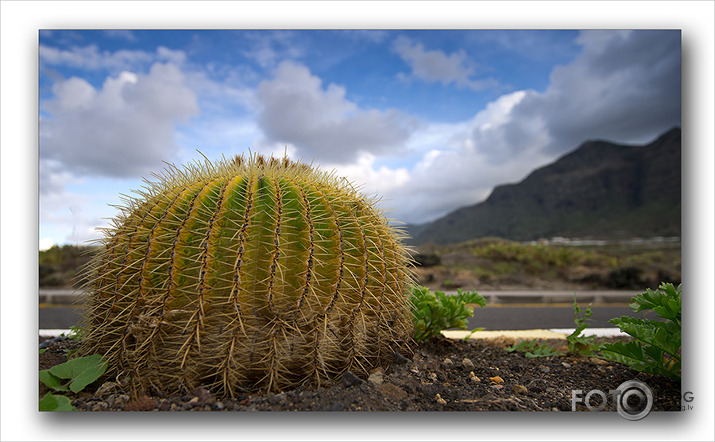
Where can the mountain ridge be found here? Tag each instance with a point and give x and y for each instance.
(599, 190)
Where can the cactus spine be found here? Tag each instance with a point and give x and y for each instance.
(246, 274)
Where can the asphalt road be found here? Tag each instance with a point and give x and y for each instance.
(492, 317)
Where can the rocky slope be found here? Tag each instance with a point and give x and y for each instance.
(600, 190)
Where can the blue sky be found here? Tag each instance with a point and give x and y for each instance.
(428, 120)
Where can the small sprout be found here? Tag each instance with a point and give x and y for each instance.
(533, 349)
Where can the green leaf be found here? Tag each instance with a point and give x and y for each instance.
(51, 381)
(50, 402)
(81, 371)
(434, 312)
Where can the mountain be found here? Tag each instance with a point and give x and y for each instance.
(600, 190)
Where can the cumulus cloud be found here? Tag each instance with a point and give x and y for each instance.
(321, 123)
(436, 66)
(125, 128)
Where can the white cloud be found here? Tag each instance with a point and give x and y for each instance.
(363, 174)
(172, 56)
(268, 48)
(321, 123)
(46, 243)
(126, 128)
(90, 57)
(436, 66)
(121, 34)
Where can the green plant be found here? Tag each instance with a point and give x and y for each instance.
(77, 373)
(533, 349)
(657, 344)
(434, 312)
(578, 344)
(247, 274)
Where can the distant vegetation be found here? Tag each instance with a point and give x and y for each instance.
(495, 263)
(59, 265)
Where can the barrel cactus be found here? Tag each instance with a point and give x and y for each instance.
(246, 274)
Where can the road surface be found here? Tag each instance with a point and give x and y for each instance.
(492, 317)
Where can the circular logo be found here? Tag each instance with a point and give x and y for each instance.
(634, 401)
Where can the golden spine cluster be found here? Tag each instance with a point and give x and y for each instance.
(247, 274)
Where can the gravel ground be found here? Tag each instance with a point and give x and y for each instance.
(443, 375)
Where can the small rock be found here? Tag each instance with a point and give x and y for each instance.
(349, 379)
(598, 361)
(439, 399)
(432, 376)
(99, 406)
(544, 369)
(496, 380)
(393, 392)
(467, 363)
(537, 385)
(447, 362)
(204, 396)
(519, 389)
(399, 359)
(219, 405)
(497, 387)
(335, 406)
(193, 401)
(142, 403)
(566, 364)
(473, 377)
(376, 377)
(107, 387)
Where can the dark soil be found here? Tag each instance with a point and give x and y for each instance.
(443, 375)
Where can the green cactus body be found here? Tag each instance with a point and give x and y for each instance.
(247, 274)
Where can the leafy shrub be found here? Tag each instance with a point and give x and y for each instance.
(657, 344)
(426, 259)
(625, 278)
(434, 312)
